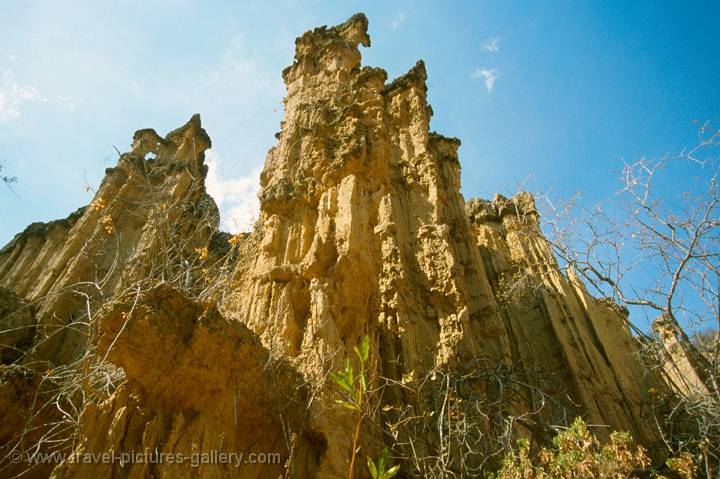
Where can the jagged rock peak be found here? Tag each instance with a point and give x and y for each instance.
(341, 42)
(333, 51)
(521, 206)
(416, 76)
(339, 118)
(183, 145)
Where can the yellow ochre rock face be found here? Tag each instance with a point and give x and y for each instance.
(177, 338)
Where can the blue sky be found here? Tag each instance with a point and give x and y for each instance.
(553, 95)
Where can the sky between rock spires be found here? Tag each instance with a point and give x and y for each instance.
(552, 96)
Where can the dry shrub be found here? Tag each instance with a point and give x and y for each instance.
(576, 453)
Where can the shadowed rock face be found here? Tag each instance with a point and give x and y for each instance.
(194, 381)
(226, 343)
(18, 326)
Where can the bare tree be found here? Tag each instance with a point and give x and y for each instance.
(654, 247)
(8, 180)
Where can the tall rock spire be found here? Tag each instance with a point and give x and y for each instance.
(363, 230)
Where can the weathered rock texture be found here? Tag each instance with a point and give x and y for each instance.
(682, 368)
(226, 343)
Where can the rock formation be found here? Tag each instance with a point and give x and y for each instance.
(178, 338)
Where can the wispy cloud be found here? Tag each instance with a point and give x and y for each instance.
(492, 44)
(398, 21)
(490, 75)
(14, 95)
(17, 94)
(236, 197)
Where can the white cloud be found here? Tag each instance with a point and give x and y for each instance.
(489, 74)
(236, 197)
(14, 94)
(398, 21)
(492, 45)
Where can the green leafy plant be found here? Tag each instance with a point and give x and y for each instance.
(380, 469)
(355, 398)
(355, 392)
